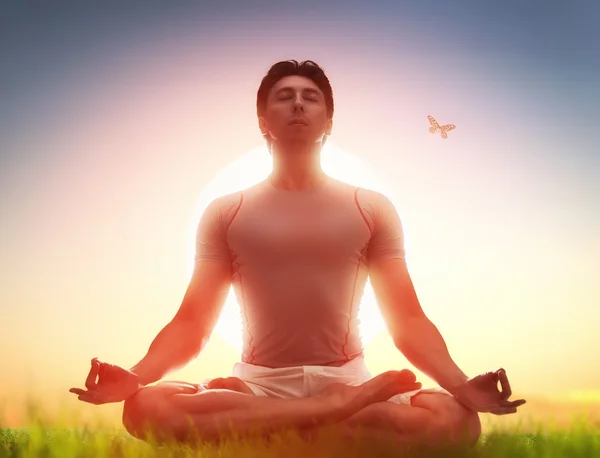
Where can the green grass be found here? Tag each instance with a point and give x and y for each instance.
(65, 443)
(47, 438)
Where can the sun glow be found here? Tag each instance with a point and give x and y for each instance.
(255, 166)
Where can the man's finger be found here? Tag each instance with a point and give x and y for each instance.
(506, 392)
(507, 407)
(517, 403)
(77, 391)
(90, 382)
(503, 410)
(90, 398)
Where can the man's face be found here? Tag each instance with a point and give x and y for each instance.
(296, 113)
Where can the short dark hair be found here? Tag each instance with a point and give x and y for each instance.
(307, 68)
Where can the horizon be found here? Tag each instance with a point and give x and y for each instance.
(542, 410)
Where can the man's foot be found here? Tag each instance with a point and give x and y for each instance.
(229, 383)
(379, 389)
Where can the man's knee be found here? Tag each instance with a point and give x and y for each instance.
(148, 413)
(460, 425)
(452, 422)
(140, 412)
(472, 427)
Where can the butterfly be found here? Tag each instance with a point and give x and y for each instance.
(443, 129)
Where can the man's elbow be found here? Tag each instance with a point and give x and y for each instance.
(192, 331)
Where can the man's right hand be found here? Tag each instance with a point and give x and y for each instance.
(481, 394)
(114, 384)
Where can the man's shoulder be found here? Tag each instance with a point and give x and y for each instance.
(225, 202)
(232, 201)
(371, 197)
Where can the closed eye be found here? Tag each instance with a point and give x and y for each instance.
(289, 97)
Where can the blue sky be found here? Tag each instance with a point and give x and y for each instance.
(548, 52)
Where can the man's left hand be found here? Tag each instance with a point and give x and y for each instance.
(481, 394)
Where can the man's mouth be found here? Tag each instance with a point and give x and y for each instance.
(298, 121)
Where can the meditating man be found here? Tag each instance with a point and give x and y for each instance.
(298, 249)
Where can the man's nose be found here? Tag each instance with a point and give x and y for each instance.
(298, 104)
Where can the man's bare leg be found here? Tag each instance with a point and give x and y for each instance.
(179, 412)
(229, 383)
(431, 418)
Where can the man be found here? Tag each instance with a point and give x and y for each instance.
(298, 248)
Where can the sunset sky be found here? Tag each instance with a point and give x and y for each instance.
(115, 118)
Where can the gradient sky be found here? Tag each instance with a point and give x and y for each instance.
(114, 118)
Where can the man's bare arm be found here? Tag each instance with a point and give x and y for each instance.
(182, 339)
(413, 333)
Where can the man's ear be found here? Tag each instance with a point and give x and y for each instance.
(328, 126)
(262, 125)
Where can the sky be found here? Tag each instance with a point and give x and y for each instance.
(116, 118)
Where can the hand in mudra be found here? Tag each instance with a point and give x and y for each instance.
(481, 394)
(114, 384)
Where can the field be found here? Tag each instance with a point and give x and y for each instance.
(580, 438)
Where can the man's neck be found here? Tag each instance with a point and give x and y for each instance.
(297, 170)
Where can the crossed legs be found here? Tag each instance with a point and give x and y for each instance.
(183, 412)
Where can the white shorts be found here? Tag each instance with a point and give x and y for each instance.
(307, 381)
